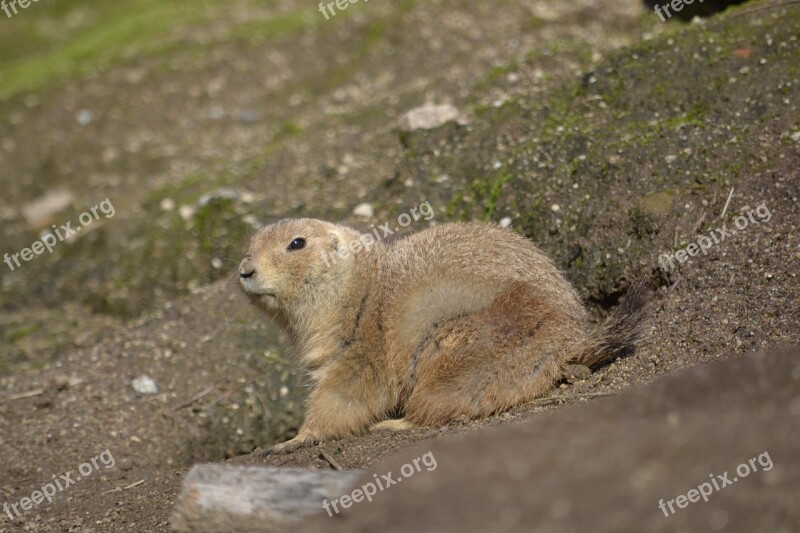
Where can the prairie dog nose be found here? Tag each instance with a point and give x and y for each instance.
(246, 269)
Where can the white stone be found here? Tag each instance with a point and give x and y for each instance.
(364, 210)
(84, 117)
(428, 117)
(144, 385)
(186, 212)
(42, 211)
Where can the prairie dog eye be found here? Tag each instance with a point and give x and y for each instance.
(297, 244)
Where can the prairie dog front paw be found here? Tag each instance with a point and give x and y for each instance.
(302, 440)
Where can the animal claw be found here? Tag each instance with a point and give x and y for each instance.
(300, 441)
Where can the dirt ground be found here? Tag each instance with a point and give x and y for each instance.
(604, 135)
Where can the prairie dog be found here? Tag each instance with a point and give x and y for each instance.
(456, 320)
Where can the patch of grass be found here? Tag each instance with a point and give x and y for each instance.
(22, 332)
(61, 40)
(482, 195)
(493, 196)
(694, 117)
(257, 31)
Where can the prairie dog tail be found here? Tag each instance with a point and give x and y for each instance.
(619, 335)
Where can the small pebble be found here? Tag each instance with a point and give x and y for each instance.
(364, 210)
(144, 385)
(84, 117)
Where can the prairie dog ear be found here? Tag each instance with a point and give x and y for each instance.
(335, 239)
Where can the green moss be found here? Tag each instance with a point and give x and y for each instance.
(455, 209)
(288, 130)
(257, 31)
(494, 188)
(136, 27)
(534, 23)
(479, 200)
(495, 75)
(694, 117)
(22, 332)
(120, 31)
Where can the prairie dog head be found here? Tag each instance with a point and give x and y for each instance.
(295, 262)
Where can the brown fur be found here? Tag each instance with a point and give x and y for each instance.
(456, 320)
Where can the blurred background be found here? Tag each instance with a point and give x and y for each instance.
(602, 133)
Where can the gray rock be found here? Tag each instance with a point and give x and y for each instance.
(42, 212)
(364, 210)
(144, 385)
(428, 117)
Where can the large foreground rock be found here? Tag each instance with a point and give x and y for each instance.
(606, 466)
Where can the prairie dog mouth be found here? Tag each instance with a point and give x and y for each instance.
(256, 292)
(251, 288)
(270, 294)
(266, 298)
